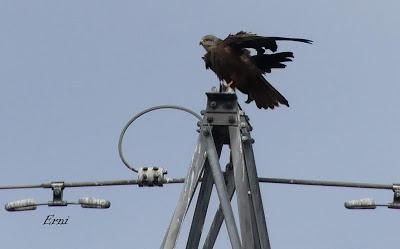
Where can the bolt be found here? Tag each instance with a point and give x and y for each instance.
(241, 112)
(242, 124)
(144, 168)
(252, 140)
(213, 104)
(198, 130)
(245, 138)
(198, 123)
(210, 119)
(202, 112)
(155, 168)
(231, 119)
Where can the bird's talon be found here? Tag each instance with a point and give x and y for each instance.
(229, 85)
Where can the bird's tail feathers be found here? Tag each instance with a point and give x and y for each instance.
(266, 96)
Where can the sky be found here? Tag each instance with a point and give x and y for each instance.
(72, 73)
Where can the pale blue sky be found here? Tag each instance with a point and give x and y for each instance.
(73, 72)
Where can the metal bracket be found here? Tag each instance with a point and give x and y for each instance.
(58, 188)
(221, 109)
(151, 176)
(396, 197)
(245, 129)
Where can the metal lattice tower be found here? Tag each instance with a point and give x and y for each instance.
(223, 123)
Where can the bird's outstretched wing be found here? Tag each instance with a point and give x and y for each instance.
(260, 43)
(265, 62)
(232, 62)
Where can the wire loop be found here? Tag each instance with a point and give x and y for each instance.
(121, 136)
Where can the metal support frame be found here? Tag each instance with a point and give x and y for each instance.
(223, 123)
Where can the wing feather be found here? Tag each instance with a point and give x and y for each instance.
(249, 40)
(265, 62)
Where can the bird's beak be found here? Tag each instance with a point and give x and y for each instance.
(201, 43)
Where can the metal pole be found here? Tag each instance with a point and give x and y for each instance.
(221, 189)
(186, 195)
(219, 216)
(242, 187)
(203, 201)
(326, 183)
(102, 183)
(256, 193)
(200, 211)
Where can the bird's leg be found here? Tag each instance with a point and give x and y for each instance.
(221, 87)
(229, 88)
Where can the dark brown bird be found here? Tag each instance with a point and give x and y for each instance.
(232, 62)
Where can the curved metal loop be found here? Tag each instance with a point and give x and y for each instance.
(121, 136)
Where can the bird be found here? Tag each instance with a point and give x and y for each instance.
(233, 62)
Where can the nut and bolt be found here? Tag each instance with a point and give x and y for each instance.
(213, 104)
(248, 139)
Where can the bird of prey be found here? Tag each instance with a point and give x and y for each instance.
(233, 63)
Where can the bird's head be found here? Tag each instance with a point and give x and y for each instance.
(209, 42)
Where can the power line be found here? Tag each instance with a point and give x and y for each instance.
(103, 183)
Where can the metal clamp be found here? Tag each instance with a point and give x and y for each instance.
(151, 176)
(396, 197)
(221, 109)
(58, 188)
